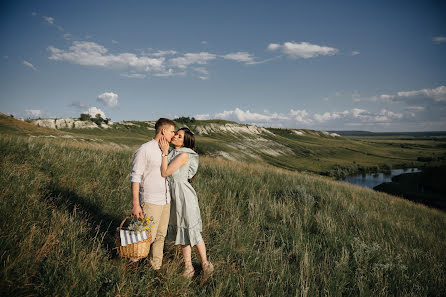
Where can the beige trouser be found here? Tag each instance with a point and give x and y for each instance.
(160, 214)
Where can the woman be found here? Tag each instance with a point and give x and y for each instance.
(185, 221)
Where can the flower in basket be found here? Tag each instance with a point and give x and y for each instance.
(141, 224)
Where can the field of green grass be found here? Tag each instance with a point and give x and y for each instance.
(269, 231)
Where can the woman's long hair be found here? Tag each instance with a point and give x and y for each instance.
(189, 138)
(189, 142)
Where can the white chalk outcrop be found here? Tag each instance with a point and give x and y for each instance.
(68, 123)
(231, 128)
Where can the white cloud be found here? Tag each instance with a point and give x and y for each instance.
(93, 111)
(67, 36)
(92, 54)
(114, 41)
(201, 70)
(273, 46)
(301, 116)
(49, 20)
(204, 116)
(327, 116)
(28, 64)
(355, 53)
(163, 53)
(5, 57)
(170, 72)
(204, 42)
(33, 13)
(156, 64)
(390, 120)
(247, 116)
(439, 39)
(429, 95)
(240, 57)
(304, 50)
(109, 99)
(192, 58)
(33, 113)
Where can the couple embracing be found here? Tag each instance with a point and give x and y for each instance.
(161, 189)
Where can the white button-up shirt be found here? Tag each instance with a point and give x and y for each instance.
(146, 170)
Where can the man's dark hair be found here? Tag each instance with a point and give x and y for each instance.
(161, 123)
(189, 138)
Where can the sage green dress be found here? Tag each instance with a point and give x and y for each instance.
(185, 221)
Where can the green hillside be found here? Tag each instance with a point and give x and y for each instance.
(295, 149)
(269, 231)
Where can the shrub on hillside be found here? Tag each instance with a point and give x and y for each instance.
(85, 117)
(185, 120)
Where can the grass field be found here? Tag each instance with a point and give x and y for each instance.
(269, 231)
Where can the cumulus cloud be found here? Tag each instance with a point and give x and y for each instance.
(192, 58)
(156, 64)
(327, 116)
(92, 54)
(240, 57)
(33, 113)
(203, 116)
(93, 111)
(439, 39)
(28, 64)
(303, 50)
(163, 53)
(109, 99)
(167, 63)
(303, 118)
(437, 95)
(263, 119)
(247, 116)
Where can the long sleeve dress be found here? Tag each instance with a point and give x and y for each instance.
(185, 221)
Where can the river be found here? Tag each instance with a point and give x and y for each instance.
(371, 180)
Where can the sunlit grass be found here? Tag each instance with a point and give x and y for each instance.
(269, 231)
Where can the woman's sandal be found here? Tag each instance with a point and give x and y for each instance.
(188, 273)
(207, 271)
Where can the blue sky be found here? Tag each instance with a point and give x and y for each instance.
(331, 65)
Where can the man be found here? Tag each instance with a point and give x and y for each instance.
(150, 190)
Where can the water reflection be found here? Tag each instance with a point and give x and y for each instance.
(371, 180)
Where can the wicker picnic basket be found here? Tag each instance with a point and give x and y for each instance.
(138, 249)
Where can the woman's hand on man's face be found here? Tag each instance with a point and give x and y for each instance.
(164, 145)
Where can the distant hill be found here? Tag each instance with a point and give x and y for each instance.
(320, 152)
(426, 134)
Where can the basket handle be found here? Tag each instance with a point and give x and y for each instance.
(122, 223)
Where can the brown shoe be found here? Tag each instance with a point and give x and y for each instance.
(207, 271)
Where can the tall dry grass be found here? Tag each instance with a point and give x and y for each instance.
(270, 232)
